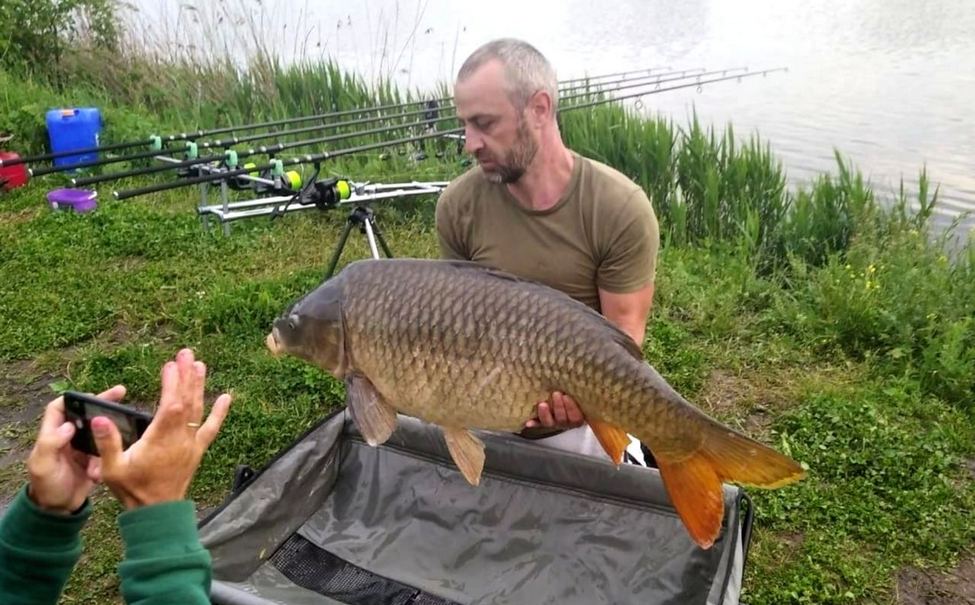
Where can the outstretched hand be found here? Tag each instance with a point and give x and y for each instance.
(560, 412)
(61, 476)
(160, 465)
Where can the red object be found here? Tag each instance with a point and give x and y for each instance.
(12, 176)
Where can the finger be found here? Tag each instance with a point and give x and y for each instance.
(116, 393)
(168, 400)
(573, 411)
(108, 441)
(62, 436)
(49, 438)
(558, 409)
(187, 383)
(532, 423)
(53, 417)
(94, 470)
(545, 414)
(196, 398)
(208, 432)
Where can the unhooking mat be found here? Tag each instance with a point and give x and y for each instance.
(332, 520)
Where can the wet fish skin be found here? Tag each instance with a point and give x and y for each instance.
(463, 346)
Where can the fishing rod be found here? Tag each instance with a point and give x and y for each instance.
(156, 141)
(232, 156)
(276, 166)
(192, 148)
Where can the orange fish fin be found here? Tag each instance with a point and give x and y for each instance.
(613, 439)
(724, 456)
(467, 452)
(695, 491)
(742, 460)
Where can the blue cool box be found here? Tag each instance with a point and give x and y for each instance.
(75, 128)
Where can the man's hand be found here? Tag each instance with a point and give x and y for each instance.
(561, 412)
(59, 474)
(160, 465)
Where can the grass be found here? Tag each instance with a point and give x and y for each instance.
(825, 321)
(128, 285)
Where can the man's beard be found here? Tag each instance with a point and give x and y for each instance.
(516, 161)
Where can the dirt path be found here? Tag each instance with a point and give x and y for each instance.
(24, 392)
(920, 587)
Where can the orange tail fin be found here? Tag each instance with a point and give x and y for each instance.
(694, 482)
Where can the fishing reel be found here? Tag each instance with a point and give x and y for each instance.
(271, 181)
(326, 193)
(321, 193)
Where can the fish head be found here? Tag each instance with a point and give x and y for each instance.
(312, 329)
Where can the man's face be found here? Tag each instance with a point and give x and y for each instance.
(495, 132)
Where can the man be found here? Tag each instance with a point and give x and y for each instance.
(539, 210)
(40, 540)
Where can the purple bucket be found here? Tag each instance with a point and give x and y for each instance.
(79, 200)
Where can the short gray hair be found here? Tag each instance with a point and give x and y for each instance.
(526, 69)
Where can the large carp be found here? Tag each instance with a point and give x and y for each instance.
(463, 346)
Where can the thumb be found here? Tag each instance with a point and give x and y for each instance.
(107, 439)
(62, 435)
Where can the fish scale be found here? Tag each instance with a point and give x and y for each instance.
(465, 347)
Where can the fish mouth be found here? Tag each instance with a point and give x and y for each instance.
(273, 344)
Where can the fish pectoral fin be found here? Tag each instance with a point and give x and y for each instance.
(374, 418)
(613, 439)
(467, 452)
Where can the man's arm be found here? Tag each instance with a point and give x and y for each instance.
(628, 311)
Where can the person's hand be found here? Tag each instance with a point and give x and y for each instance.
(59, 474)
(561, 412)
(160, 465)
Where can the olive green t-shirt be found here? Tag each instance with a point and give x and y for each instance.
(602, 233)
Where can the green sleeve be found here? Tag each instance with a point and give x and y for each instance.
(38, 550)
(164, 559)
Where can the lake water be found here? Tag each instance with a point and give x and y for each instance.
(889, 83)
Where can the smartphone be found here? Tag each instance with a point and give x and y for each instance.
(80, 408)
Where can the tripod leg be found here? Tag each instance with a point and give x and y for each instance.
(382, 240)
(338, 248)
(367, 225)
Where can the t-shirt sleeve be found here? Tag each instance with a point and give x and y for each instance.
(449, 228)
(630, 258)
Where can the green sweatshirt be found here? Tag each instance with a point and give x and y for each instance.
(164, 560)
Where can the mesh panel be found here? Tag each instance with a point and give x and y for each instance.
(310, 567)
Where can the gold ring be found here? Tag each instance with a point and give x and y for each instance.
(193, 425)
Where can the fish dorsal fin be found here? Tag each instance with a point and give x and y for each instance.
(469, 265)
